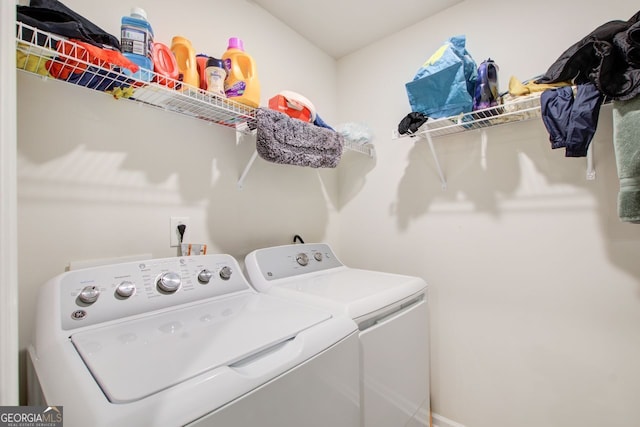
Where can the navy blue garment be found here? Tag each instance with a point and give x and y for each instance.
(319, 122)
(556, 106)
(99, 79)
(571, 122)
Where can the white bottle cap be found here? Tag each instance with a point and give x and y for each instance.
(138, 12)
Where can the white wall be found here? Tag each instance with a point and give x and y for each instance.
(99, 178)
(535, 283)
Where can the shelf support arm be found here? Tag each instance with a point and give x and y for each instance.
(443, 181)
(246, 169)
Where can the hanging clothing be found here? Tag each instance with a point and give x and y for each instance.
(626, 142)
(571, 120)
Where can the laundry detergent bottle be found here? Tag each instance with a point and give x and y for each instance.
(186, 58)
(241, 84)
(136, 41)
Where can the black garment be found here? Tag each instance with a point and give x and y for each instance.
(574, 63)
(614, 76)
(54, 17)
(628, 43)
(411, 123)
(605, 57)
(571, 122)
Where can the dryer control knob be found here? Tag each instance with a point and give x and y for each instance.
(302, 259)
(125, 289)
(205, 276)
(169, 282)
(89, 294)
(225, 273)
(318, 256)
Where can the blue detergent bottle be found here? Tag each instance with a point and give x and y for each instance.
(136, 41)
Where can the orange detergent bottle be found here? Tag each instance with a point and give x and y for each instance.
(241, 84)
(186, 58)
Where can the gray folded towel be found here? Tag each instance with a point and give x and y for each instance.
(281, 139)
(626, 142)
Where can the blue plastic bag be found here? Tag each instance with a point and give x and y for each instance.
(444, 85)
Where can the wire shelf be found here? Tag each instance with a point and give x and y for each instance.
(512, 110)
(366, 149)
(518, 110)
(49, 55)
(54, 56)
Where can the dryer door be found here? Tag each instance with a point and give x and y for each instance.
(395, 365)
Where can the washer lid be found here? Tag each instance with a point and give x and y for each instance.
(135, 359)
(352, 291)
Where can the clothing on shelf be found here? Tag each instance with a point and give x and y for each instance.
(54, 17)
(571, 120)
(606, 57)
(281, 139)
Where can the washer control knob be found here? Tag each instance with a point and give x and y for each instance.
(89, 294)
(205, 276)
(302, 259)
(318, 256)
(225, 273)
(169, 282)
(125, 289)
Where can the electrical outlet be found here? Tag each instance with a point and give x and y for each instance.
(174, 235)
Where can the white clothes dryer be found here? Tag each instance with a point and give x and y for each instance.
(187, 341)
(391, 312)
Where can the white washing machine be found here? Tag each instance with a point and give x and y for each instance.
(187, 341)
(391, 312)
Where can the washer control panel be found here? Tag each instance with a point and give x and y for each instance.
(291, 260)
(100, 294)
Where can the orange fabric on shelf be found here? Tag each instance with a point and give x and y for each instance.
(62, 67)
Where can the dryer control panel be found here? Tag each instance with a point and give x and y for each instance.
(291, 260)
(100, 294)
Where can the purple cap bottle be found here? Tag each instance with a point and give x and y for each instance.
(236, 43)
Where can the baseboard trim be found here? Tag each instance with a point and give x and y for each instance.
(440, 421)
